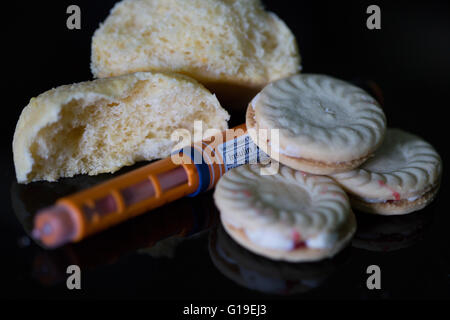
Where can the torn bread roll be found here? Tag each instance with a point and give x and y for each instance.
(233, 47)
(102, 125)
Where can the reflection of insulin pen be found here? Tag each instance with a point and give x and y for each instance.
(200, 166)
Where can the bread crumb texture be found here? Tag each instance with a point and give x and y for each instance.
(102, 125)
(227, 41)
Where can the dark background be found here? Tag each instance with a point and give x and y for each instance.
(409, 58)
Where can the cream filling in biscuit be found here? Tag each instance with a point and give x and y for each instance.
(276, 241)
(324, 240)
(291, 153)
(287, 151)
(270, 240)
(370, 200)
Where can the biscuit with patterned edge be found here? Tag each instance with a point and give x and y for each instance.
(325, 125)
(290, 215)
(403, 176)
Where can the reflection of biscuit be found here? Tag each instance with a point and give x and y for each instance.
(105, 124)
(216, 42)
(325, 125)
(258, 273)
(382, 233)
(402, 177)
(288, 216)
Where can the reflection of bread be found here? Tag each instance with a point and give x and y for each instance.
(214, 41)
(103, 125)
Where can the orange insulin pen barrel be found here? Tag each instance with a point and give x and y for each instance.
(79, 215)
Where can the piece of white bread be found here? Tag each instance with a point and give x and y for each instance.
(216, 42)
(102, 125)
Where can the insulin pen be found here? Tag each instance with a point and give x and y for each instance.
(197, 168)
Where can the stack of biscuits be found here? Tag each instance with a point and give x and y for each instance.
(329, 141)
(162, 65)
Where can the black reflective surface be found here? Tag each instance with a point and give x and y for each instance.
(180, 251)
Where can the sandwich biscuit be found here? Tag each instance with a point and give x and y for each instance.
(325, 125)
(290, 215)
(402, 177)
